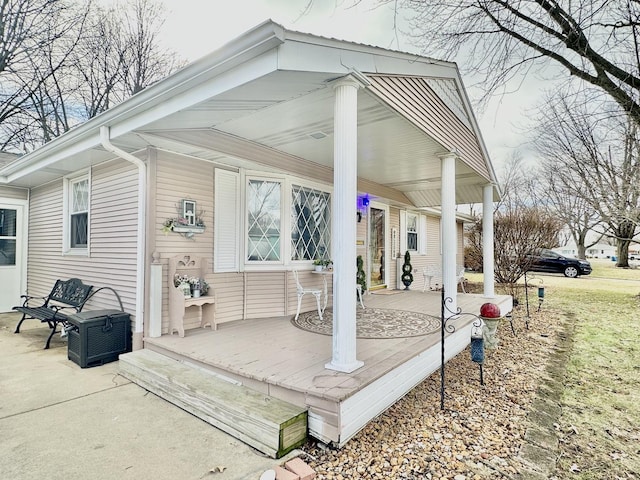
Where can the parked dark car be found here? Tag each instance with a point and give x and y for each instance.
(552, 262)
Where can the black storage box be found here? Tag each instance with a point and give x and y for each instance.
(98, 337)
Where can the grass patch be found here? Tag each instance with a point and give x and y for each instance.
(601, 434)
(600, 424)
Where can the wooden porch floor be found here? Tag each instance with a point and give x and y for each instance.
(271, 352)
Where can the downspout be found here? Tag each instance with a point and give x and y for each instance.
(138, 331)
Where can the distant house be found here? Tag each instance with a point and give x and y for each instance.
(281, 147)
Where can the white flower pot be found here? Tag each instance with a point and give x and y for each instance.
(490, 332)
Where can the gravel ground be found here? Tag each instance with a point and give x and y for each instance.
(479, 433)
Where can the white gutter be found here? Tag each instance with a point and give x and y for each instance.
(141, 233)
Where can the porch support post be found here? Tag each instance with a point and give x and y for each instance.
(487, 242)
(343, 232)
(449, 237)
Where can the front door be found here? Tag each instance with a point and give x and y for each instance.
(377, 239)
(11, 262)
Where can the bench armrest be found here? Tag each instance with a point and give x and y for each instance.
(28, 298)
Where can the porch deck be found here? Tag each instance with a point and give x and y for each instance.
(274, 357)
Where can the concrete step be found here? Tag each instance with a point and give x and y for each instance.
(268, 424)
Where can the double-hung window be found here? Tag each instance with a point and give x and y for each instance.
(76, 215)
(412, 232)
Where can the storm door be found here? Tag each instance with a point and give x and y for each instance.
(377, 240)
(10, 256)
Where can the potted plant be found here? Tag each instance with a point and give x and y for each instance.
(318, 264)
(361, 276)
(407, 276)
(182, 283)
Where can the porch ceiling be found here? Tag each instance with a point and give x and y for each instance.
(285, 111)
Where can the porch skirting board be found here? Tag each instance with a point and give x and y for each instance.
(358, 410)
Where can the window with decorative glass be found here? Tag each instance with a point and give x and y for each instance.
(264, 199)
(412, 232)
(76, 215)
(310, 223)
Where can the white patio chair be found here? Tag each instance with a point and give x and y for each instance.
(428, 273)
(460, 277)
(359, 291)
(316, 292)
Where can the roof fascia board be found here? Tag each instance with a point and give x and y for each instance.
(347, 45)
(301, 54)
(266, 36)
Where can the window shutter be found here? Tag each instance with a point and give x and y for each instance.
(226, 243)
(403, 232)
(422, 234)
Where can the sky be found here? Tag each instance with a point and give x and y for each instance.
(194, 28)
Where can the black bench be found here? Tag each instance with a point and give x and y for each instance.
(66, 296)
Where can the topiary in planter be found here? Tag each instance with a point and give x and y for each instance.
(407, 276)
(361, 277)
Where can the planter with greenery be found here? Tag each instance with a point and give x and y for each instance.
(361, 276)
(407, 276)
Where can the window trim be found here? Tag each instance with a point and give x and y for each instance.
(287, 182)
(416, 231)
(245, 216)
(68, 183)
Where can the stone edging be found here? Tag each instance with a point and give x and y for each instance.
(540, 449)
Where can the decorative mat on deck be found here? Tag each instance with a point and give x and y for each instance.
(373, 323)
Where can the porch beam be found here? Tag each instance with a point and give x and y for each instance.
(343, 231)
(449, 236)
(487, 242)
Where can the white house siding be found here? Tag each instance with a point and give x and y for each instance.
(433, 256)
(460, 249)
(13, 193)
(174, 178)
(266, 295)
(113, 220)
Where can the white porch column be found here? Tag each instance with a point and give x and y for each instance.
(449, 237)
(487, 241)
(343, 232)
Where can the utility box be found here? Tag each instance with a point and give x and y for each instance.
(98, 337)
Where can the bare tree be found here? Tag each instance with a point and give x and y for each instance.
(144, 63)
(33, 49)
(519, 231)
(59, 73)
(577, 213)
(597, 160)
(596, 41)
(99, 63)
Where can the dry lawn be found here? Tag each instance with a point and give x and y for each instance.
(600, 424)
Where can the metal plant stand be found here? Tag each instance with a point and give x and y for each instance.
(445, 327)
(540, 282)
